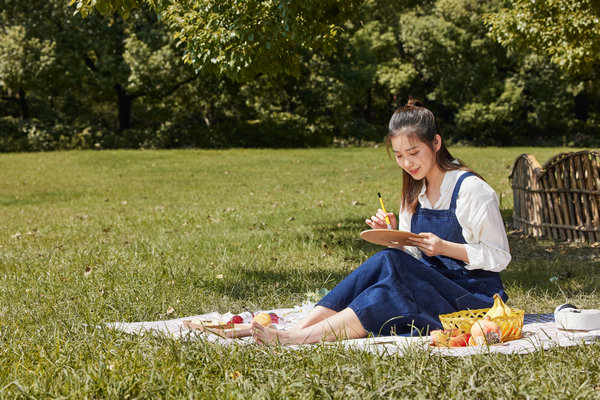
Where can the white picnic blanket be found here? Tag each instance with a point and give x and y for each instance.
(539, 332)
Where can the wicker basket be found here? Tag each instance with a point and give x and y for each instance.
(511, 326)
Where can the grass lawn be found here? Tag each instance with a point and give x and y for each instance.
(94, 237)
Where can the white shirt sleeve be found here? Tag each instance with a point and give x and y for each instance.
(478, 213)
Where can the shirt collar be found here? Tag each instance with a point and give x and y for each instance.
(447, 183)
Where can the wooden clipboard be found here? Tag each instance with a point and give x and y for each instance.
(388, 237)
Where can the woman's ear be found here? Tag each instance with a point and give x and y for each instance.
(437, 142)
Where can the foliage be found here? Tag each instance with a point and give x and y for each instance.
(23, 59)
(566, 31)
(239, 38)
(108, 82)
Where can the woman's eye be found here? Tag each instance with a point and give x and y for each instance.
(414, 154)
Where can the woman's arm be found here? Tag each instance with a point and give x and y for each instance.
(431, 245)
(478, 213)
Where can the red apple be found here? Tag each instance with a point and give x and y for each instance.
(460, 340)
(274, 318)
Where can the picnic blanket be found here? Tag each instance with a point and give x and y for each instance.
(539, 332)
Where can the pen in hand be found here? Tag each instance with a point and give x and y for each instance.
(387, 219)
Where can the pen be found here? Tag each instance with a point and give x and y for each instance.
(387, 219)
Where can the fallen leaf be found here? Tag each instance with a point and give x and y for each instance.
(235, 375)
(220, 276)
(357, 203)
(16, 235)
(88, 271)
(170, 310)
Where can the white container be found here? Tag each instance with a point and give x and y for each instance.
(569, 317)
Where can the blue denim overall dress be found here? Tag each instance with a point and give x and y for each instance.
(393, 292)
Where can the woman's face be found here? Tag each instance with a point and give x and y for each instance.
(414, 156)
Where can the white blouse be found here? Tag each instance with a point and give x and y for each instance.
(478, 213)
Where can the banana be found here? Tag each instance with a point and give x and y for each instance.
(507, 310)
(497, 309)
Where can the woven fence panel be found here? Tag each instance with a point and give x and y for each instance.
(560, 198)
(527, 200)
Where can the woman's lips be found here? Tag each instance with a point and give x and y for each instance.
(413, 171)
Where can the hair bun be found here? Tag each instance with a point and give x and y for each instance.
(413, 103)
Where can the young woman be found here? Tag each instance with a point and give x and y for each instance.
(453, 266)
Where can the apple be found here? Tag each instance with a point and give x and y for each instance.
(460, 340)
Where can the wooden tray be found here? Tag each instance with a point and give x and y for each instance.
(229, 331)
(387, 237)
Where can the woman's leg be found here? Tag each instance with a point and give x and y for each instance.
(378, 267)
(342, 325)
(316, 315)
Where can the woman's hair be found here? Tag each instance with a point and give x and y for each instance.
(416, 121)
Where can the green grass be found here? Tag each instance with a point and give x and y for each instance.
(94, 237)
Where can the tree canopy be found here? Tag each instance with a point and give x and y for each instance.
(565, 30)
(241, 39)
(109, 82)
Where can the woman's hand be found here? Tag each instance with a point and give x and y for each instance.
(428, 243)
(431, 245)
(377, 221)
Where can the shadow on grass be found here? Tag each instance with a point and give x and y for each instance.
(540, 265)
(339, 239)
(552, 267)
(343, 235)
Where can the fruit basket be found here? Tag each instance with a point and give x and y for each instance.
(511, 325)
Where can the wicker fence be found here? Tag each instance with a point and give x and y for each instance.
(561, 198)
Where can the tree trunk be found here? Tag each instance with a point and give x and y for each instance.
(582, 106)
(125, 101)
(23, 106)
(367, 109)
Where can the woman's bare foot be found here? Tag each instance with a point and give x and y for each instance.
(342, 325)
(268, 336)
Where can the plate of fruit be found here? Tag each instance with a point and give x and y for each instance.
(234, 328)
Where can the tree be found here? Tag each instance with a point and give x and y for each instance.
(568, 34)
(241, 39)
(23, 60)
(97, 67)
(567, 31)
